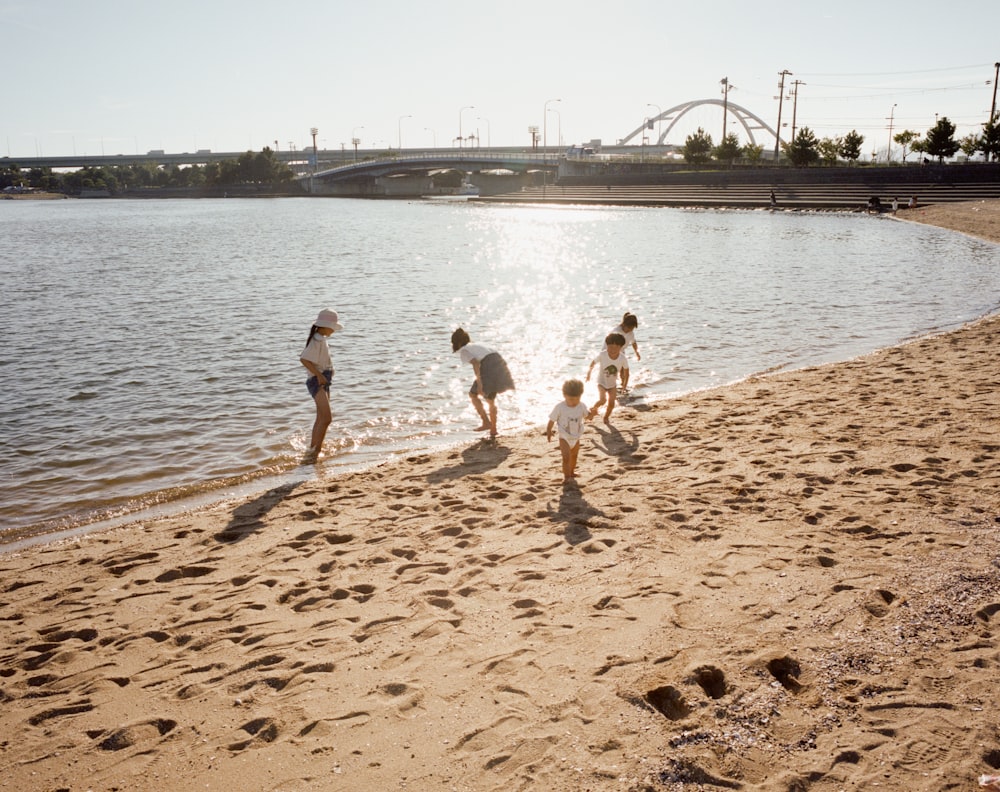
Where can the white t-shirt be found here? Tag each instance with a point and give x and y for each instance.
(318, 352)
(629, 335)
(569, 421)
(471, 352)
(608, 369)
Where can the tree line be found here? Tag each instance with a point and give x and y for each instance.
(260, 168)
(805, 149)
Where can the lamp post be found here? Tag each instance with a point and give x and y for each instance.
(558, 126)
(659, 112)
(434, 136)
(355, 140)
(545, 127)
(888, 154)
(460, 111)
(781, 96)
(488, 144)
(399, 131)
(725, 106)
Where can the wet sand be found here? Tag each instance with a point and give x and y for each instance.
(791, 583)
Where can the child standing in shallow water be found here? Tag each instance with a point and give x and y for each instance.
(567, 418)
(316, 358)
(612, 363)
(492, 377)
(627, 328)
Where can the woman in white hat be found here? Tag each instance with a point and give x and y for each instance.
(316, 358)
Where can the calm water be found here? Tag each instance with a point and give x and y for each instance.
(150, 348)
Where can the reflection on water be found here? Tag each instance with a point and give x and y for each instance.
(151, 348)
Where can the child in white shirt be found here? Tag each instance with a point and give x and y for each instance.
(613, 363)
(567, 418)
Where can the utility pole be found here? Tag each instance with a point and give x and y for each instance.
(888, 153)
(795, 104)
(781, 95)
(993, 105)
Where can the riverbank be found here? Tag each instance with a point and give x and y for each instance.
(789, 583)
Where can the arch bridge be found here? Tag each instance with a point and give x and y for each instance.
(751, 122)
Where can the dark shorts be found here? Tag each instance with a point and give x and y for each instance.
(313, 384)
(495, 376)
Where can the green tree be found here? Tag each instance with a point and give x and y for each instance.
(698, 147)
(728, 150)
(752, 152)
(829, 149)
(850, 147)
(802, 150)
(44, 179)
(11, 176)
(990, 140)
(970, 144)
(941, 141)
(904, 139)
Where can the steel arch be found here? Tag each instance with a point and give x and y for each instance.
(674, 114)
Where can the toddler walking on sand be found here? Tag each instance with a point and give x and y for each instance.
(567, 418)
(612, 363)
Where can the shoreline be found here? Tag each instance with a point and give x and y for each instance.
(788, 582)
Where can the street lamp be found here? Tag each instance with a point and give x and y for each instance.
(355, 140)
(399, 130)
(558, 127)
(545, 127)
(460, 111)
(480, 118)
(659, 112)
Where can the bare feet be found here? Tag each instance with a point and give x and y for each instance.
(482, 427)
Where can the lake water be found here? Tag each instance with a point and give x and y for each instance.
(150, 348)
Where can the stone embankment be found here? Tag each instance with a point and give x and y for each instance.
(788, 196)
(809, 189)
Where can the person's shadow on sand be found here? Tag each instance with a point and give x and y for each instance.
(613, 443)
(576, 513)
(247, 517)
(481, 456)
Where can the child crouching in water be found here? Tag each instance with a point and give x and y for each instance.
(567, 418)
(612, 364)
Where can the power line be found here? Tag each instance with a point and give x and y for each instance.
(893, 74)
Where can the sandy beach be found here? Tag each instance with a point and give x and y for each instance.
(792, 583)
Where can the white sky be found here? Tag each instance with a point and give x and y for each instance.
(127, 76)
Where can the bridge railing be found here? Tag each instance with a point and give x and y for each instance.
(451, 157)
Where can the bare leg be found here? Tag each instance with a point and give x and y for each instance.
(604, 395)
(478, 404)
(323, 419)
(569, 456)
(493, 417)
(612, 396)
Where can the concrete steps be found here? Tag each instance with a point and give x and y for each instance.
(752, 196)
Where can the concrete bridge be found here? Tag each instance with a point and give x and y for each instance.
(402, 175)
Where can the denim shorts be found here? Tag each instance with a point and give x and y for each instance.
(313, 384)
